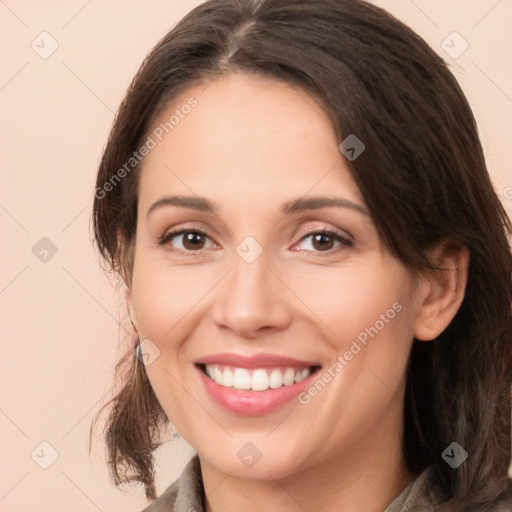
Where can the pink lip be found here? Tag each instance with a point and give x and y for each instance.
(253, 403)
(256, 361)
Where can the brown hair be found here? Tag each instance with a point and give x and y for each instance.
(422, 175)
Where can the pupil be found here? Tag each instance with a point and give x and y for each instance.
(192, 238)
(319, 238)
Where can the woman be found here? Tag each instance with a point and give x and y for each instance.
(317, 268)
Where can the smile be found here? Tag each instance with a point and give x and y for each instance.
(254, 385)
(259, 379)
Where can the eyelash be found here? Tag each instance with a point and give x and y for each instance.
(169, 235)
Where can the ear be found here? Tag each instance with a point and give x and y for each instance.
(441, 292)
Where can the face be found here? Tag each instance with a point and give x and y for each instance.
(277, 324)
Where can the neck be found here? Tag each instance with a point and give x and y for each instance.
(368, 476)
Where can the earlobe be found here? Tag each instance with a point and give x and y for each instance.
(441, 292)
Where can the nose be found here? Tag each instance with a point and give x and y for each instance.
(251, 300)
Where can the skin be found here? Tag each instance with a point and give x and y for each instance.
(250, 145)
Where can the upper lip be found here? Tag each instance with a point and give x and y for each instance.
(255, 361)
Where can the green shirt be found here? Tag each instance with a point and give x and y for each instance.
(186, 494)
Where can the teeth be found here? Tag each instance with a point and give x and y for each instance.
(227, 378)
(276, 379)
(241, 379)
(260, 380)
(255, 380)
(289, 377)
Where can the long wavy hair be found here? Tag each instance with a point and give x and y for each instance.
(422, 175)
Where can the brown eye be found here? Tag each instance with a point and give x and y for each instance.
(324, 241)
(190, 240)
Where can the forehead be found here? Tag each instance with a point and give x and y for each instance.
(244, 138)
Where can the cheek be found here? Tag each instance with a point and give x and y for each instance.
(368, 310)
(164, 296)
(358, 302)
(164, 299)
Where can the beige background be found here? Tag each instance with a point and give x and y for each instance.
(59, 318)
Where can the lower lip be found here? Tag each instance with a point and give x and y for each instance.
(253, 403)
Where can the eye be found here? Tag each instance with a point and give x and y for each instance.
(191, 240)
(194, 240)
(323, 241)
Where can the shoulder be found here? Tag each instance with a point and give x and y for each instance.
(505, 504)
(165, 502)
(423, 494)
(185, 494)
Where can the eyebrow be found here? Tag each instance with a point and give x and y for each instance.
(297, 205)
(315, 203)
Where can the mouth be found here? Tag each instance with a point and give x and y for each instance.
(257, 379)
(256, 385)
